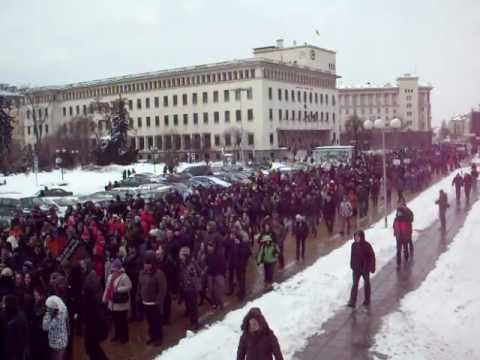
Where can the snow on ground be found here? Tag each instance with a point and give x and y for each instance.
(79, 181)
(448, 327)
(297, 308)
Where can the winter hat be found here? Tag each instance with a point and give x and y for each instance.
(117, 264)
(55, 303)
(6, 272)
(12, 240)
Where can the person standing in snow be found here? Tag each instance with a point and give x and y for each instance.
(258, 342)
(443, 205)
(362, 263)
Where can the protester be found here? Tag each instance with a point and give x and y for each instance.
(443, 205)
(16, 330)
(257, 341)
(346, 212)
(152, 287)
(268, 253)
(458, 183)
(362, 263)
(300, 231)
(117, 298)
(55, 322)
(177, 228)
(402, 230)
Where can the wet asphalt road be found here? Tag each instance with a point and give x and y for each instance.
(350, 333)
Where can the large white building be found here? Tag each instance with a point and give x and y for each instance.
(282, 97)
(408, 100)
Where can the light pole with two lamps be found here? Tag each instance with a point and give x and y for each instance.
(380, 125)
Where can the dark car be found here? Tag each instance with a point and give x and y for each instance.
(55, 192)
(197, 170)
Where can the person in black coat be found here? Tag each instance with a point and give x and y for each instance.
(362, 263)
(258, 342)
(300, 230)
(17, 337)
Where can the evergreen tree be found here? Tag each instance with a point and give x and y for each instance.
(6, 129)
(119, 129)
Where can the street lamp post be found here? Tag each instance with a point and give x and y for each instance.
(379, 124)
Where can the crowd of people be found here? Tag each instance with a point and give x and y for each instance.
(133, 257)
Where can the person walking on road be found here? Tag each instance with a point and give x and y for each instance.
(268, 253)
(346, 212)
(443, 205)
(362, 263)
(300, 230)
(258, 342)
(458, 183)
(467, 186)
(474, 175)
(402, 230)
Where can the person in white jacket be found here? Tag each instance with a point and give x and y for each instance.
(55, 322)
(117, 298)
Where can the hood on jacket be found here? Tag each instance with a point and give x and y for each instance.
(255, 313)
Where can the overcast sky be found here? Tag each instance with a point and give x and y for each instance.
(47, 42)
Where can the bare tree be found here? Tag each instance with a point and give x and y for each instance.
(237, 135)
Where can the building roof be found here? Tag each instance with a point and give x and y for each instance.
(271, 48)
(175, 71)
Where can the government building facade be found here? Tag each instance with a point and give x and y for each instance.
(408, 101)
(281, 98)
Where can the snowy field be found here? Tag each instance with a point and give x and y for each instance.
(79, 181)
(298, 307)
(448, 327)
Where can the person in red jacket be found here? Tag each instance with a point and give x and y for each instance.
(402, 230)
(146, 219)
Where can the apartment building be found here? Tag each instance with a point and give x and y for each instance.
(281, 97)
(408, 100)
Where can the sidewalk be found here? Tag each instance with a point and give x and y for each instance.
(350, 333)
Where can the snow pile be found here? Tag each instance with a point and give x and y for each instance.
(448, 327)
(298, 307)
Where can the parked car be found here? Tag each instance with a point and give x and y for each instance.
(54, 192)
(208, 181)
(135, 181)
(101, 197)
(197, 170)
(10, 205)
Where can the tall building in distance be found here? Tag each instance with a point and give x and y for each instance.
(282, 97)
(408, 100)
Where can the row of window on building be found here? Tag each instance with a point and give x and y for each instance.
(368, 99)
(190, 142)
(186, 118)
(166, 83)
(37, 113)
(306, 116)
(300, 77)
(292, 95)
(172, 100)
